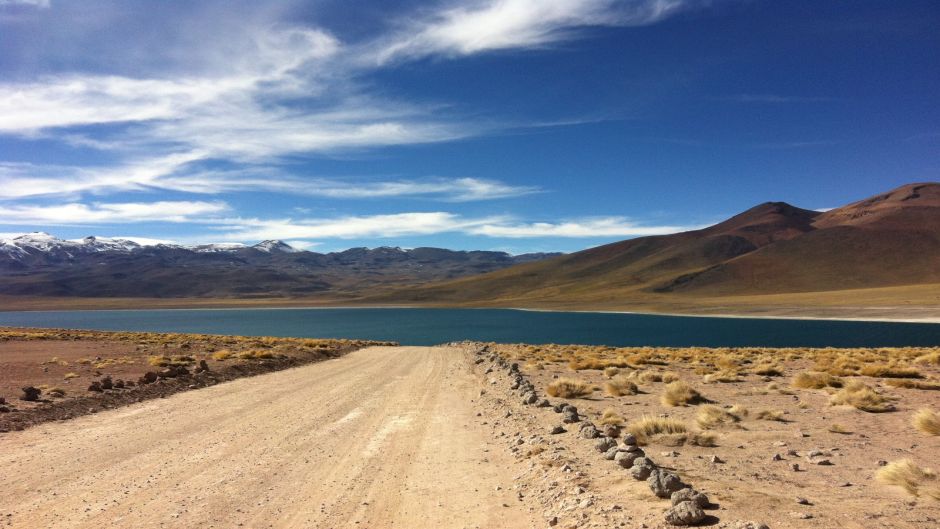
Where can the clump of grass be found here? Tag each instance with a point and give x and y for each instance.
(816, 380)
(722, 376)
(929, 385)
(669, 376)
(927, 421)
(888, 371)
(611, 372)
(739, 411)
(679, 393)
(569, 388)
(55, 392)
(838, 428)
(929, 358)
(69, 376)
(223, 354)
(256, 354)
(648, 427)
(768, 370)
(913, 479)
(862, 397)
(769, 415)
(611, 416)
(619, 386)
(646, 377)
(712, 416)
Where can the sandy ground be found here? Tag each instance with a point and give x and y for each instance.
(382, 437)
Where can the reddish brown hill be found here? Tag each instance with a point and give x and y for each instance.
(887, 240)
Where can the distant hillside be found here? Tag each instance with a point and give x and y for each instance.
(39, 264)
(888, 240)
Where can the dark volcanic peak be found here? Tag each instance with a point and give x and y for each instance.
(271, 246)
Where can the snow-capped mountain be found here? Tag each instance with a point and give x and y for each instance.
(41, 264)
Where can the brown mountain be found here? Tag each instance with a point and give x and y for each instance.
(888, 240)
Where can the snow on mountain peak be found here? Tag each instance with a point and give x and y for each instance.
(271, 246)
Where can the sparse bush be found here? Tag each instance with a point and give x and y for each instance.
(886, 371)
(768, 371)
(610, 372)
(619, 386)
(223, 354)
(929, 385)
(611, 416)
(838, 428)
(569, 388)
(769, 415)
(816, 380)
(739, 411)
(929, 358)
(648, 427)
(646, 377)
(679, 393)
(722, 376)
(69, 376)
(913, 479)
(669, 376)
(862, 397)
(927, 421)
(712, 416)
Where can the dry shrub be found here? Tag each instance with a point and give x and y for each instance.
(611, 372)
(649, 427)
(770, 415)
(722, 376)
(915, 480)
(55, 392)
(929, 358)
(569, 388)
(838, 428)
(768, 371)
(816, 380)
(739, 411)
(70, 376)
(927, 421)
(611, 416)
(862, 397)
(620, 386)
(256, 354)
(679, 393)
(929, 385)
(223, 354)
(712, 416)
(646, 377)
(887, 371)
(669, 376)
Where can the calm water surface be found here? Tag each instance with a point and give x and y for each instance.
(434, 326)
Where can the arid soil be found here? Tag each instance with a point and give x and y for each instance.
(468, 436)
(382, 437)
(65, 364)
(748, 470)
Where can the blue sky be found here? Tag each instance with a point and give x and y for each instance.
(519, 125)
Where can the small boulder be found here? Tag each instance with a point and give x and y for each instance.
(664, 483)
(107, 383)
(689, 494)
(611, 430)
(642, 468)
(604, 444)
(31, 394)
(589, 432)
(557, 430)
(96, 387)
(611, 454)
(685, 513)
(149, 378)
(625, 459)
(119, 384)
(629, 439)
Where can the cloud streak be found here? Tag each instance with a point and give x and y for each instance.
(79, 214)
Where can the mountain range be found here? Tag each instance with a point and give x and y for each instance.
(882, 250)
(888, 240)
(39, 264)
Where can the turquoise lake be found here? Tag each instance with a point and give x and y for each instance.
(435, 326)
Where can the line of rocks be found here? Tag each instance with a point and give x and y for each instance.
(687, 504)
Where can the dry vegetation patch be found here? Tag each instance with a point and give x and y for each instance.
(679, 393)
(927, 421)
(569, 388)
(619, 385)
(861, 396)
(915, 480)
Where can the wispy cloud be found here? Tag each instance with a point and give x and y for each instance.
(33, 3)
(170, 174)
(481, 26)
(78, 214)
(430, 223)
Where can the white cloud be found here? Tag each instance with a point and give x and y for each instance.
(490, 25)
(430, 223)
(34, 3)
(76, 214)
(170, 173)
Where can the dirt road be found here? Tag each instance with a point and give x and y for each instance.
(382, 437)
